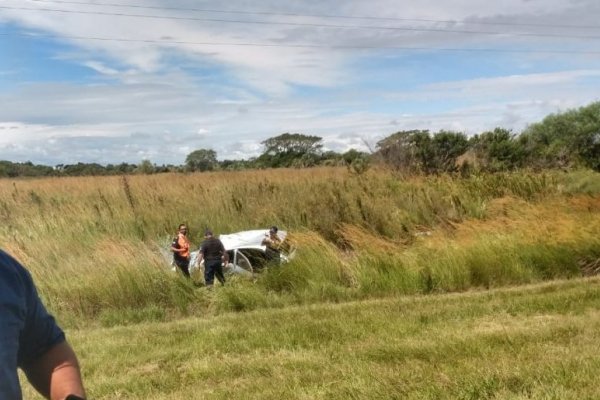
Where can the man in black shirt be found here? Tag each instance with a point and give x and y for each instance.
(214, 255)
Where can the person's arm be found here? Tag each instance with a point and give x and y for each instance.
(226, 258)
(272, 242)
(224, 254)
(200, 254)
(55, 374)
(266, 240)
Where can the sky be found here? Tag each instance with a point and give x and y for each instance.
(129, 80)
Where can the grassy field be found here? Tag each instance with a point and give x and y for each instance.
(94, 244)
(530, 342)
(402, 287)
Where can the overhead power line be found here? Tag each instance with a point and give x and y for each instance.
(409, 29)
(313, 46)
(350, 17)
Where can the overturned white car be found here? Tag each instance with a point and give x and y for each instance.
(247, 254)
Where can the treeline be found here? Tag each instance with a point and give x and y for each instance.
(561, 141)
(28, 169)
(564, 140)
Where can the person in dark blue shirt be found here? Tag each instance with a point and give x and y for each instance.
(214, 255)
(31, 340)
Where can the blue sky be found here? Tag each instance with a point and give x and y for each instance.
(128, 80)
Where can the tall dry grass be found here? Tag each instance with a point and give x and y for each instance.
(94, 244)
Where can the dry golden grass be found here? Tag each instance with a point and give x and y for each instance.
(98, 238)
(556, 219)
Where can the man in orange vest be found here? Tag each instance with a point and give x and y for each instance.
(181, 250)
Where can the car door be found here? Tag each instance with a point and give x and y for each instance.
(241, 264)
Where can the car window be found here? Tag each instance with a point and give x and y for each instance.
(242, 261)
(257, 257)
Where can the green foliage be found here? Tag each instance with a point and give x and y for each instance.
(402, 150)
(418, 151)
(352, 155)
(290, 149)
(81, 169)
(563, 140)
(358, 162)
(236, 165)
(122, 168)
(201, 160)
(359, 166)
(498, 150)
(566, 139)
(292, 143)
(11, 170)
(440, 154)
(145, 167)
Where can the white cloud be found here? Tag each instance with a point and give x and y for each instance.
(518, 82)
(101, 68)
(161, 100)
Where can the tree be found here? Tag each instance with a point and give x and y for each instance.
(417, 151)
(565, 139)
(357, 162)
(83, 169)
(331, 158)
(146, 167)
(443, 150)
(296, 143)
(498, 150)
(404, 150)
(235, 165)
(290, 149)
(201, 160)
(120, 169)
(353, 154)
(10, 169)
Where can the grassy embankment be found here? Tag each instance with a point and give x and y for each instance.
(528, 342)
(93, 243)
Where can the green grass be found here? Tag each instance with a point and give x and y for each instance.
(530, 342)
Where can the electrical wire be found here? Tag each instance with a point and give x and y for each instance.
(408, 29)
(314, 46)
(351, 17)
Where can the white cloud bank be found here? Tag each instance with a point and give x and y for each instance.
(127, 100)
